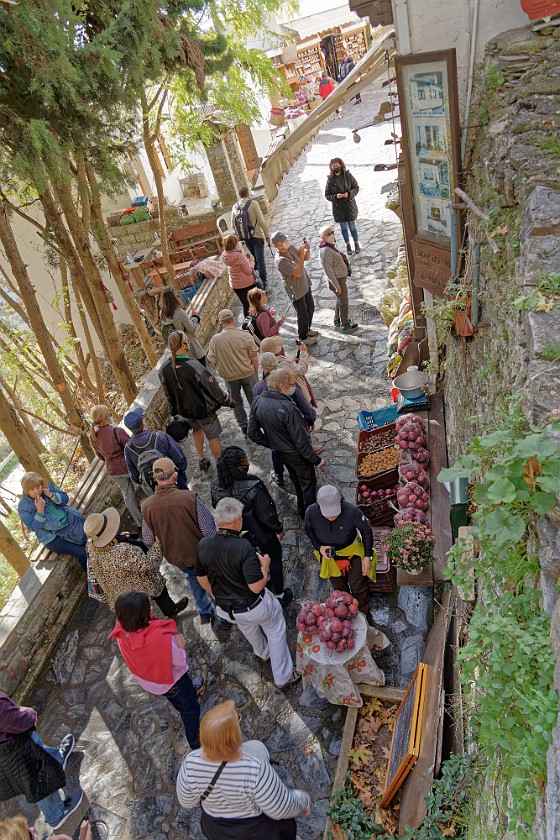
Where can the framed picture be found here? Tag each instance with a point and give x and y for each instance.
(427, 87)
(407, 731)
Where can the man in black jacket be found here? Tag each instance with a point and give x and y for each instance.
(277, 423)
(193, 393)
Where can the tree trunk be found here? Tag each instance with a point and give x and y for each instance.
(91, 349)
(29, 428)
(39, 328)
(88, 283)
(102, 238)
(80, 358)
(16, 435)
(151, 153)
(12, 551)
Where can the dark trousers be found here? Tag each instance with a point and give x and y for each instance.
(166, 603)
(277, 464)
(62, 546)
(182, 697)
(273, 547)
(354, 582)
(182, 480)
(256, 246)
(303, 478)
(248, 828)
(242, 295)
(305, 307)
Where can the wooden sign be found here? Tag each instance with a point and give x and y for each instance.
(432, 266)
(405, 745)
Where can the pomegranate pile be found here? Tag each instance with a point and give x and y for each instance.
(331, 621)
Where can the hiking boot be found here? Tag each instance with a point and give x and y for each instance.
(179, 607)
(312, 333)
(286, 598)
(348, 248)
(350, 328)
(71, 804)
(309, 342)
(206, 618)
(357, 247)
(204, 464)
(66, 747)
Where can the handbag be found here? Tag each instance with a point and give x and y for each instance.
(94, 588)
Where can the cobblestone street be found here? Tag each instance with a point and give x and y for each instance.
(130, 745)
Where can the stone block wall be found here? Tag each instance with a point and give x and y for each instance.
(35, 618)
(513, 176)
(130, 238)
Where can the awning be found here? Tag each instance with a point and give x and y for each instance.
(370, 67)
(331, 18)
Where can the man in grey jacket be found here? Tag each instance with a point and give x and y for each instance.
(336, 268)
(290, 262)
(258, 229)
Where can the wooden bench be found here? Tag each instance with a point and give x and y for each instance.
(203, 233)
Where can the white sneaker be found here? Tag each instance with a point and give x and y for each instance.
(309, 342)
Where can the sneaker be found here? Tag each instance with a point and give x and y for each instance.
(309, 342)
(357, 247)
(286, 598)
(312, 333)
(350, 328)
(348, 248)
(340, 116)
(337, 325)
(277, 479)
(206, 618)
(203, 464)
(71, 804)
(198, 685)
(179, 607)
(66, 748)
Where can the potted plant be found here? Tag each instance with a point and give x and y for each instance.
(463, 315)
(410, 547)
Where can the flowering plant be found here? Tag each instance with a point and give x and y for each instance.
(410, 546)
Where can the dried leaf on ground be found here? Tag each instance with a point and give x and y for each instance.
(361, 755)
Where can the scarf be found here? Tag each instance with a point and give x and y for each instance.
(323, 244)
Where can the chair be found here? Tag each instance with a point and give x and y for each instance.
(223, 224)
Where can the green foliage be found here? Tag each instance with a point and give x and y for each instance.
(544, 297)
(507, 664)
(348, 812)
(8, 580)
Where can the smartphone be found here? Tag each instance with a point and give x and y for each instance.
(328, 552)
(305, 240)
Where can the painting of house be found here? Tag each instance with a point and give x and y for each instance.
(426, 93)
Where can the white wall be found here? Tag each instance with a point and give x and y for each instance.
(438, 25)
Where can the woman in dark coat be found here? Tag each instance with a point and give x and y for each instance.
(260, 517)
(341, 190)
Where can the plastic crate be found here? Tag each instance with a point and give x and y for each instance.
(377, 438)
(379, 511)
(361, 476)
(378, 418)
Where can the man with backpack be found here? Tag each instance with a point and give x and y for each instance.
(145, 447)
(346, 67)
(248, 222)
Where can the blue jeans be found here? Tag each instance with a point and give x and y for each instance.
(202, 600)
(181, 480)
(344, 226)
(256, 246)
(52, 805)
(183, 698)
(62, 546)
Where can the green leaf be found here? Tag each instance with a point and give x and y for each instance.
(502, 490)
(542, 503)
(504, 527)
(463, 467)
(538, 445)
(494, 439)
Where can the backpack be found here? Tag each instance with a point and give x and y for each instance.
(242, 223)
(146, 457)
(166, 330)
(250, 324)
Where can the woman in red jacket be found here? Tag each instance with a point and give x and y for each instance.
(240, 270)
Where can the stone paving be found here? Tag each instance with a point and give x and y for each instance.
(130, 745)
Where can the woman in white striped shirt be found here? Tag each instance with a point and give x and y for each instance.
(246, 798)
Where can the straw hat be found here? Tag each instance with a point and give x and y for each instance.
(101, 528)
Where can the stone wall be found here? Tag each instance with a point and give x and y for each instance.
(35, 618)
(130, 238)
(514, 177)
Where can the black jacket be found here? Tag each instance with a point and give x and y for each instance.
(341, 532)
(344, 209)
(27, 769)
(277, 423)
(198, 395)
(260, 517)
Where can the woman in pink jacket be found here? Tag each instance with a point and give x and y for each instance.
(240, 270)
(264, 318)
